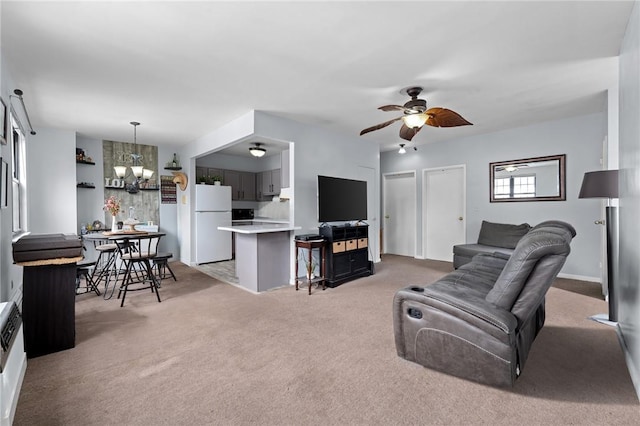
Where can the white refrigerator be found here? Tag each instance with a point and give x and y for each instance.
(213, 209)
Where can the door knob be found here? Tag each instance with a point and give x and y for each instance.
(599, 222)
(460, 218)
(386, 216)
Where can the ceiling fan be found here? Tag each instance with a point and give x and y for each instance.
(417, 115)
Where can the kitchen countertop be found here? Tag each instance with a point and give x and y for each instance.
(260, 228)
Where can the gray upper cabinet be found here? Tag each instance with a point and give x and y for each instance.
(268, 184)
(243, 184)
(200, 173)
(208, 173)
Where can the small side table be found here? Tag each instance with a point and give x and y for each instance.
(310, 245)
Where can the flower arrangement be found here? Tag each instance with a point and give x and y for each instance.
(112, 205)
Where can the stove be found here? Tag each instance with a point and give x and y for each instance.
(241, 214)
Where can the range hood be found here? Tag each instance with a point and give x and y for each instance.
(285, 194)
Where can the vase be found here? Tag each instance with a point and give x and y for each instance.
(114, 224)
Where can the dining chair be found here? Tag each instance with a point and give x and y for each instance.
(161, 265)
(84, 270)
(137, 252)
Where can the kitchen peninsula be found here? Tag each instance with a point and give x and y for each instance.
(263, 259)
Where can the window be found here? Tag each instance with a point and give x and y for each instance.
(18, 179)
(524, 186)
(515, 187)
(502, 187)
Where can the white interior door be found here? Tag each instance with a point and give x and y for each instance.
(399, 233)
(444, 211)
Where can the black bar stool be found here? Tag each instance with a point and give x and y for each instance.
(84, 269)
(137, 251)
(161, 264)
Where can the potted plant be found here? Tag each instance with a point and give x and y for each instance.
(217, 180)
(202, 180)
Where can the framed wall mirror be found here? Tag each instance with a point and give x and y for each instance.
(529, 179)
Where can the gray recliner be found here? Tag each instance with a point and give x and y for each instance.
(479, 321)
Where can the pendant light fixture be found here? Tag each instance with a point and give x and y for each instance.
(139, 172)
(257, 151)
(402, 150)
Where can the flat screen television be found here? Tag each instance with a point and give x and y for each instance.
(341, 199)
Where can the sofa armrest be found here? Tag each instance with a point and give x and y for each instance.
(473, 310)
(484, 311)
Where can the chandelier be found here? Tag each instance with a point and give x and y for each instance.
(140, 174)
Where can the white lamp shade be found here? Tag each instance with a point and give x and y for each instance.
(415, 120)
(257, 152)
(120, 171)
(146, 174)
(137, 171)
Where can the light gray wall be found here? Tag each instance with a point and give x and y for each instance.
(51, 194)
(628, 284)
(90, 201)
(580, 138)
(10, 275)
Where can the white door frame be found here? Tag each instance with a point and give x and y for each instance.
(385, 236)
(424, 202)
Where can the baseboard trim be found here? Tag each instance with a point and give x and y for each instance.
(580, 277)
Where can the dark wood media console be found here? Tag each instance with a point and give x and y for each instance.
(347, 253)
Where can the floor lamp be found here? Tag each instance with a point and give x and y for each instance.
(604, 184)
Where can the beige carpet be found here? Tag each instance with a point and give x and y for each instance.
(211, 353)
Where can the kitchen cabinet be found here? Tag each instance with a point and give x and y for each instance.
(208, 173)
(243, 184)
(268, 184)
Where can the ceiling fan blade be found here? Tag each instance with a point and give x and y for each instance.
(442, 117)
(392, 108)
(379, 126)
(407, 133)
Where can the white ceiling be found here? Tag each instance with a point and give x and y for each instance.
(184, 69)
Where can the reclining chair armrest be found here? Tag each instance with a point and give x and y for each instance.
(483, 315)
(479, 308)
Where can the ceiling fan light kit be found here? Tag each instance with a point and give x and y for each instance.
(402, 150)
(415, 120)
(416, 115)
(257, 151)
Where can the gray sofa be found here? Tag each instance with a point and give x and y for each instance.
(493, 237)
(479, 321)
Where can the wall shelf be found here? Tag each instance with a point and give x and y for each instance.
(85, 162)
(173, 168)
(84, 185)
(139, 189)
